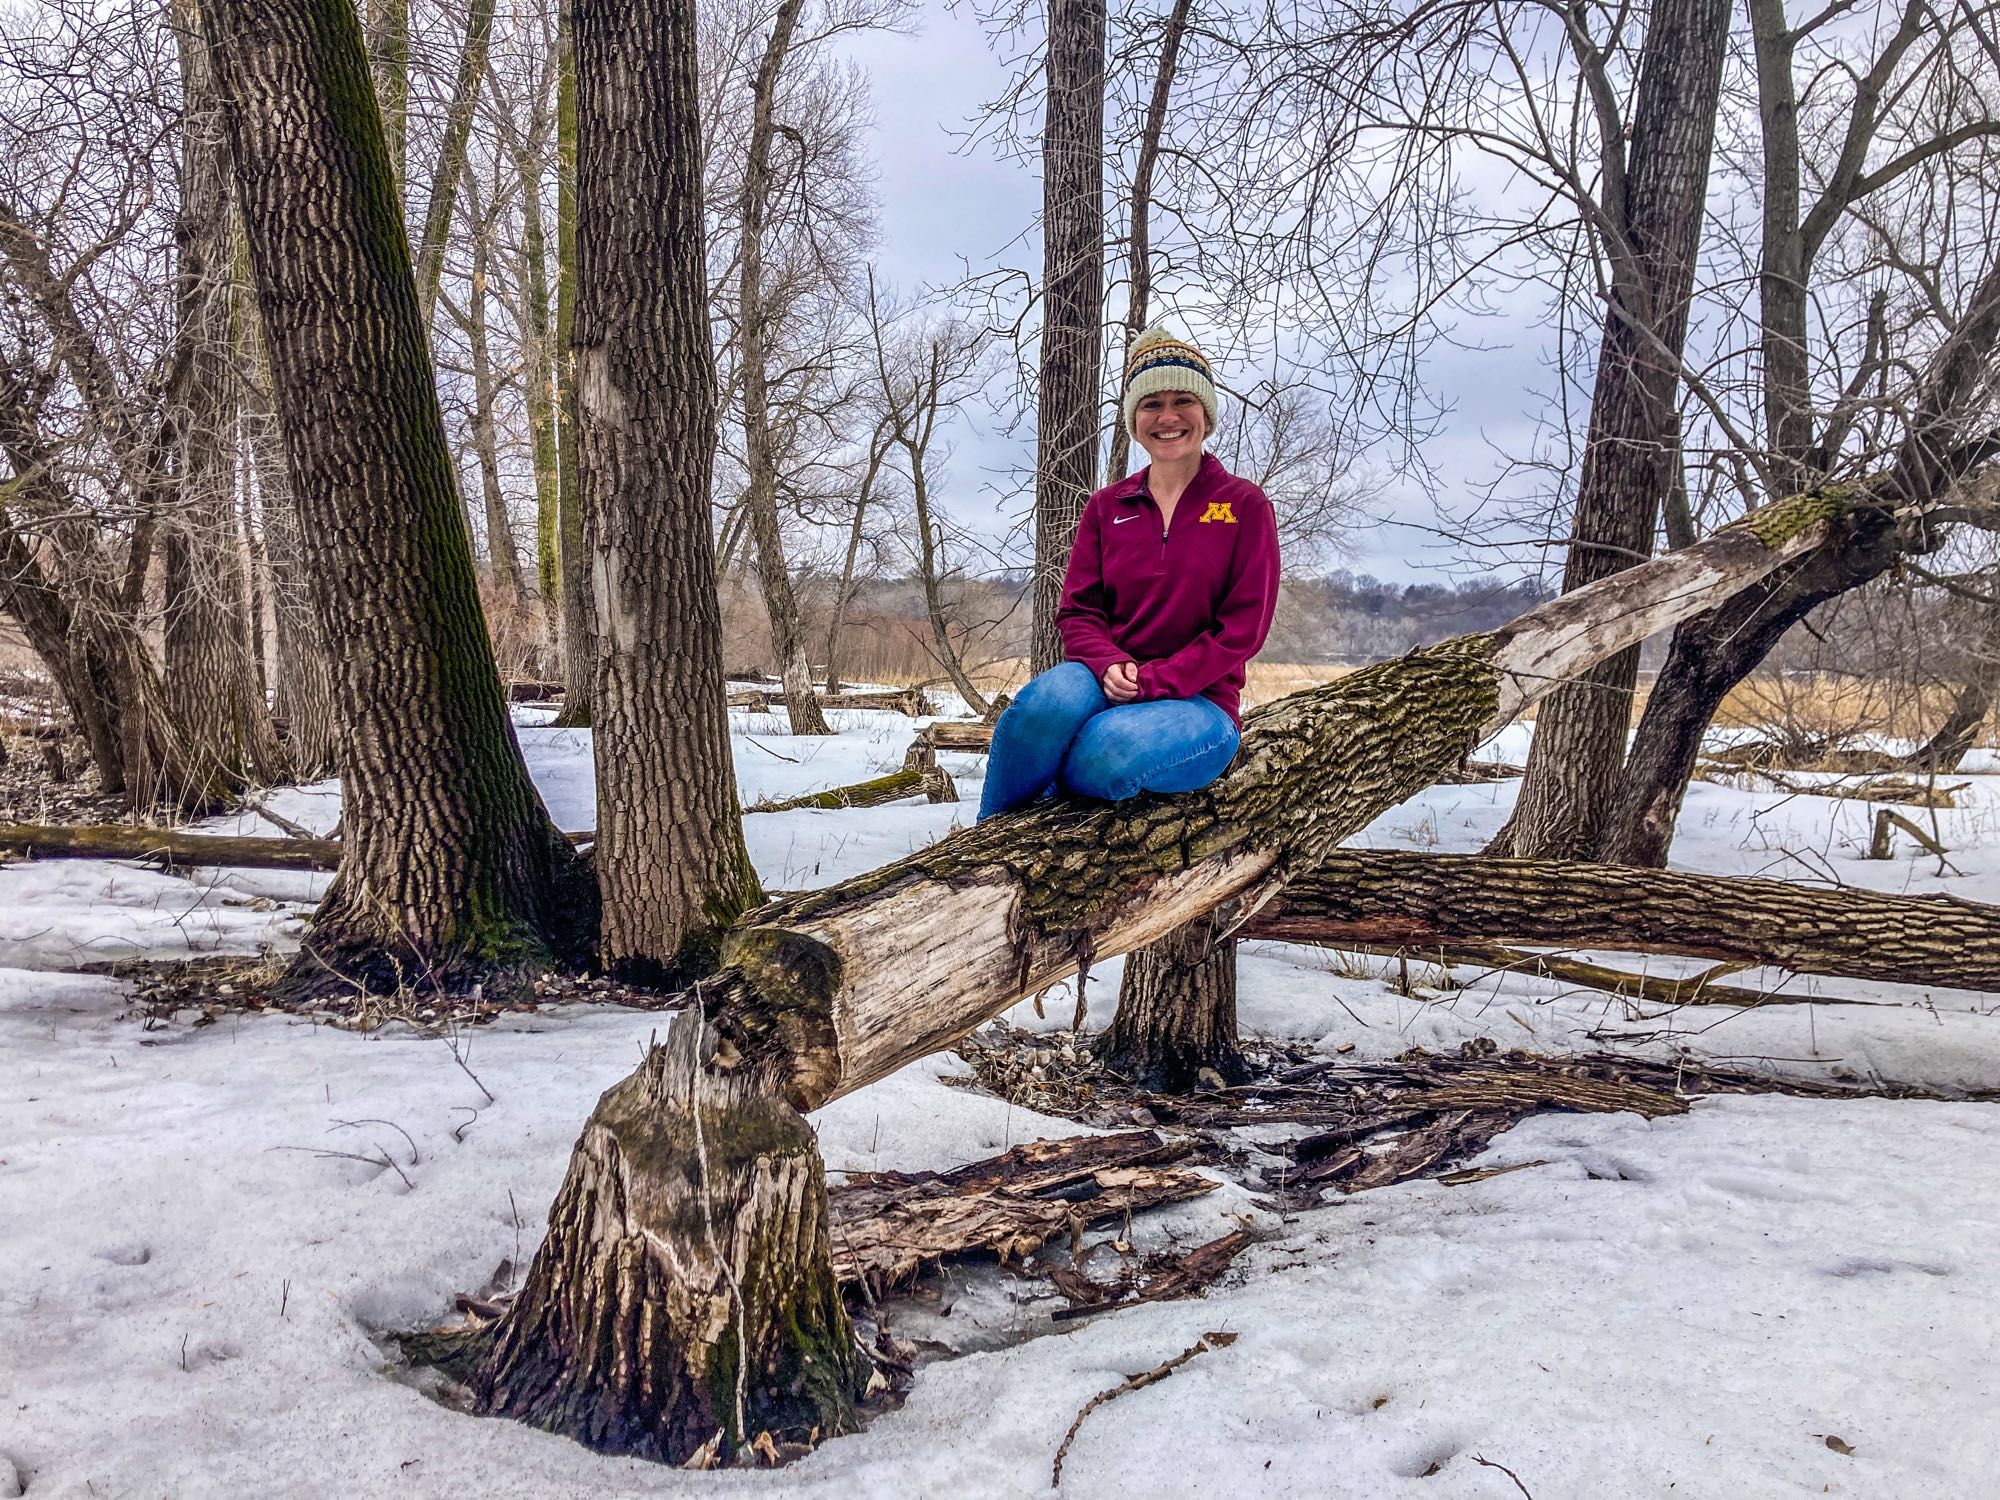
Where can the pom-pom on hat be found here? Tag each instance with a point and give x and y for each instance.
(1161, 362)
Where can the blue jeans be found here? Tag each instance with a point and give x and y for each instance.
(1061, 730)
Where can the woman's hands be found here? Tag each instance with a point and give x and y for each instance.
(1121, 682)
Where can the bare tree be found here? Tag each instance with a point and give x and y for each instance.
(922, 374)
(760, 493)
(670, 845)
(1651, 215)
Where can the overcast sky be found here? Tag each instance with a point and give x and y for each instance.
(944, 208)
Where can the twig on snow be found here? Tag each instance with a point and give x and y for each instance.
(1488, 1463)
(1140, 1381)
(415, 1157)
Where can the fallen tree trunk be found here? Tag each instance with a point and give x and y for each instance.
(122, 841)
(117, 841)
(1417, 900)
(832, 990)
(907, 782)
(824, 993)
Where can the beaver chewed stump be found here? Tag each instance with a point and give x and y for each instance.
(692, 1228)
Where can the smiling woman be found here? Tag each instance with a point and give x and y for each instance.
(1171, 583)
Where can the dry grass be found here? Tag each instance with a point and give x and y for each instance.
(1815, 705)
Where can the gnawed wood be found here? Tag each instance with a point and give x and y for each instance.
(1887, 819)
(888, 1226)
(1413, 901)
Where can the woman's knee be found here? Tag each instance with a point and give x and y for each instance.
(1178, 749)
(1063, 696)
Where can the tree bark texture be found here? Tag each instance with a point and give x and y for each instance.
(1067, 410)
(211, 680)
(578, 636)
(452, 868)
(670, 855)
(1177, 1010)
(788, 641)
(684, 1301)
(1633, 442)
(1390, 899)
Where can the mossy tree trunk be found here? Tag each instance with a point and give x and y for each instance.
(453, 871)
(1177, 1010)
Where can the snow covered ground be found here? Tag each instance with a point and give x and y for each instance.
(191, 1283)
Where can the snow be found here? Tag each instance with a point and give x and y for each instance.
(192, 1288)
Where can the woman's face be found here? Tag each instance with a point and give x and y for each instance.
(1170, 425)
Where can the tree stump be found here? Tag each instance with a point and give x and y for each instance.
(693, 1223)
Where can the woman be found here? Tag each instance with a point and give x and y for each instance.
(1169, 593)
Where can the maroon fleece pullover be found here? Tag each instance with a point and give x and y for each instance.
(1190, 603)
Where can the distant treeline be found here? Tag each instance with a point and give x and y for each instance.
(1340, 619)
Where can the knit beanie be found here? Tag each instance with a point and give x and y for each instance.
(1161, 362)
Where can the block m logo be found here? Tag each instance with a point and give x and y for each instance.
(1219, 511)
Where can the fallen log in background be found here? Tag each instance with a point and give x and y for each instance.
(1695, 989)
(908, 782)
(123, 841)
(1394, 899)
(116, 841)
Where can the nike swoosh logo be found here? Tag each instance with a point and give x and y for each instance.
(1121, 520)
